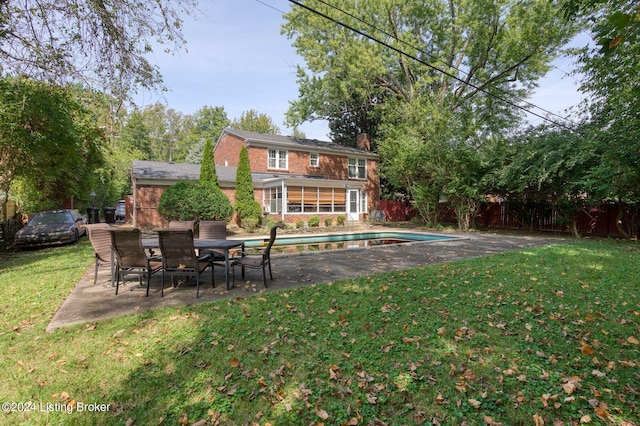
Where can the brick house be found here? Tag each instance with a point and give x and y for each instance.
(293, 179)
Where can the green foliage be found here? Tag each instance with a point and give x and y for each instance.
(246, 206)
(135, 136)
(208, 123)
(194, 200)
(341, 219)
(49, 144)
(328, 221)
(314, 221)
(615, 20)
(299, 224)
(548, 332)
(429, 125)
(250, 224)
(252, 121)
(207, 166)
(483, 46)
(106, 44)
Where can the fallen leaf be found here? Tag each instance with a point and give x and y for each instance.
(537, 420)
(322, 414)
(632, 340)
(569, 388)
(587, 350)
(184, 419)
(474, 403)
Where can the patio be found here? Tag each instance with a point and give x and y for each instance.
(89, 302)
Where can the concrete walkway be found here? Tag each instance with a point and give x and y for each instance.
(90, 302)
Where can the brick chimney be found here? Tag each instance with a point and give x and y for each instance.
(363, 141)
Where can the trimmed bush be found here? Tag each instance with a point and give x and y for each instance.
(340, 220)
(194, 200)
(250, 224)
(328, 221)
(299, 224)
(314, 221)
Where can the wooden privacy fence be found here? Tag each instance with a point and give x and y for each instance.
(597, 221)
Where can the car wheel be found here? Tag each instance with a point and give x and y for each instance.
(77, 239)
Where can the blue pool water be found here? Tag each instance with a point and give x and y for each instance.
(292, 244)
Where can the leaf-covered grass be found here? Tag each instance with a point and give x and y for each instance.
(546, 334)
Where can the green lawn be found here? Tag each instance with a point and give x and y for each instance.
(548, 334)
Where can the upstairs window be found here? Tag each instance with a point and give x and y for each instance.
(357, 168)
(277, 159)
(314, 159)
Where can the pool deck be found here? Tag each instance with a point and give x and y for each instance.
(89, 302)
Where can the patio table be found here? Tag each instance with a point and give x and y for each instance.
(205, 244)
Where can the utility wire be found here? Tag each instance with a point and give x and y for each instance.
(415, 58)
(435, 58)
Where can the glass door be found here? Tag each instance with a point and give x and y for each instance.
(353, 201)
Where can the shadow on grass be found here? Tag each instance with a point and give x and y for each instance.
(499, 336)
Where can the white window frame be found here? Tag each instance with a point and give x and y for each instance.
(357, 165)
(314, 159)
(276, 160)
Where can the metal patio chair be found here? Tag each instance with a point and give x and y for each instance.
(259, 258)
(100, 238)
(213, 230)
(131, 257)
(179, 257)
(183, 225)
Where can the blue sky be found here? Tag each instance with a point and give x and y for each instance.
(237, 58)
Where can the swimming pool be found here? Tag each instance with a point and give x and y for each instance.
(306, 243)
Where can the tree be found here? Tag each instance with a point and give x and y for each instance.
(252, 121)
(135, 136)
(168, 132)
(550, 168)
(104, 44)
(49, 144)
(208, 123)
(248, 210)
(612, 84)
(440, 77)
(207, 166)
(616, 20)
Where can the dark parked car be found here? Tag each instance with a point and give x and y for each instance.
(121, 211)
(52, 227)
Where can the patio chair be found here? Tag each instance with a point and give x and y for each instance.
(100, 238)
(131, 257)
(213, 230)
(179, 257)
(183, 225)
(259, 258)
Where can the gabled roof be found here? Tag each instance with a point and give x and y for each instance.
(158, 172)
(263, 139)
(162, 173)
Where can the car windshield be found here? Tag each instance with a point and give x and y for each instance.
(51, 218)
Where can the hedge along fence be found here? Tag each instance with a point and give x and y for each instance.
(598, 221)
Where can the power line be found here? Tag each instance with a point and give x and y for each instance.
(270, 6)
(415, 58)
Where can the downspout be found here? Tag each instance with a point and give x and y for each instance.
(134, 213)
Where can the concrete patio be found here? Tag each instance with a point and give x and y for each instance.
(90, 302)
